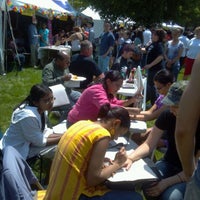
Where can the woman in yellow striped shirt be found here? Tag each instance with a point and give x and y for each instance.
(78, 170)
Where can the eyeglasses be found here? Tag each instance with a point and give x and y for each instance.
(49, 100)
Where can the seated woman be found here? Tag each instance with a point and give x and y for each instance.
(28, 132)
(162, 81)
(172, 183)
(92, 98)
(78, 171)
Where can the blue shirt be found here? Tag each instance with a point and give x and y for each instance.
(32, 34)
(107, 40)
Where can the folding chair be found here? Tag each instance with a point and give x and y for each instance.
(17, 177)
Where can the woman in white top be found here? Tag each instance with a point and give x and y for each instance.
(193, 51)
(28, 132)
(173, 52)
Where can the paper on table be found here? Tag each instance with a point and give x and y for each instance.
(61, 127)
(60, 95)
(138, 126)
(139, 171)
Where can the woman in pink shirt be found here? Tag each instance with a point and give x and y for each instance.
(90, 101)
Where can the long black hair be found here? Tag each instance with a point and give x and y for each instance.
(37, 92)
(113, 75)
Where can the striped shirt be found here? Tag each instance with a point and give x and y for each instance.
(67, 178)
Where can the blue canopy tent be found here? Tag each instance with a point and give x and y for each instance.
(66, 5)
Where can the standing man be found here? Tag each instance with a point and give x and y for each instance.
(33, 38)
(188, 131)
(83, 65)
(90, 30)
(106, 47)
(147, 40)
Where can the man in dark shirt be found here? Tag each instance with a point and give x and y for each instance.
(83, 65)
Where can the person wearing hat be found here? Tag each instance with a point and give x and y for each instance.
(171, 183)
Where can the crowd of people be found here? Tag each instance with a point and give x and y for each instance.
(95, 114)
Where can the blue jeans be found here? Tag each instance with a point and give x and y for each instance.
(193, 187)
(103, 63)
(174, 192)
(21, 58)
(74, 96)
(115, 195)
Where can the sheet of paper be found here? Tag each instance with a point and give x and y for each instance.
(138, 171)
(61, 127)
(138, 126)
(60, 95)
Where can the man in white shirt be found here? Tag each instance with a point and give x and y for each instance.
(147, 36)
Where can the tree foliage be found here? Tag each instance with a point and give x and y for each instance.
(183, 12)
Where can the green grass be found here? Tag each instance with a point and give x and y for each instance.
(14, 87)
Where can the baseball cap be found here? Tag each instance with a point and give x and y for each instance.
(175, 92)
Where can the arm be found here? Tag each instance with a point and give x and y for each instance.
(177, 58)
(155, 62)
(147, 147)
(187, 121)
(53, 139)
(157, 188)
(108, 51)
(49, 79)
(150, 114)
(96, 174)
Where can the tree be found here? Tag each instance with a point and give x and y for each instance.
(183, 12)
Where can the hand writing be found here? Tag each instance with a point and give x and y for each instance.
(120, 157)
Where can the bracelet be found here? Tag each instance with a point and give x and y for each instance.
(179, 178)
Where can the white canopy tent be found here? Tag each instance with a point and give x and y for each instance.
(97, 19)
(91, 13)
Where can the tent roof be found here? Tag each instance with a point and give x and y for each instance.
(91, 13)
(42, 6)
(66, 5)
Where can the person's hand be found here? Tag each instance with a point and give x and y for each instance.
(156, 188)
(67, 77)
(107, 162)
(128, 163)
(120, 157)
(169, 64)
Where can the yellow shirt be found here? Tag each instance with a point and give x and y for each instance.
(67, 177)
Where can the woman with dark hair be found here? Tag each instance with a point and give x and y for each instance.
(92, 98)
(162, 81)
(155, 55)
(78, 170)
(28, 132)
